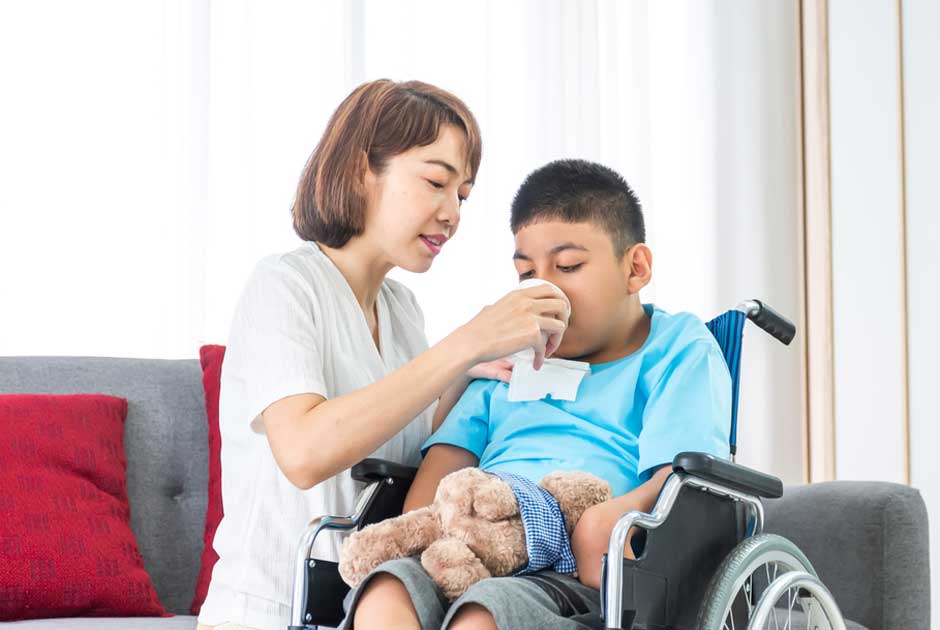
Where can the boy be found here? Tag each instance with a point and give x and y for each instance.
(658, 386)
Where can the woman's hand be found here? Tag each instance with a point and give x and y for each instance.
(517, 321)
(499, 370)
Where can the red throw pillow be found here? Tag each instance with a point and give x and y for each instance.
(66, 545)
(210, 357)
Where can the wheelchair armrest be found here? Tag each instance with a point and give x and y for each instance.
(728, 474)
(377, 469)
(318, 590)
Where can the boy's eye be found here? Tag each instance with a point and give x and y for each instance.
(524, 275)
(570, 268)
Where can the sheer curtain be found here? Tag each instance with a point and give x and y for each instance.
(151, 151)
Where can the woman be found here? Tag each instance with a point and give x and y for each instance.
(327, 362)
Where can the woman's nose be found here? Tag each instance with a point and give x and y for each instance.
(450, 213)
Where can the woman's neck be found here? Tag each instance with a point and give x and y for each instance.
(364, 270)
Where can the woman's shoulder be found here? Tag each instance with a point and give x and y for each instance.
(303, 268)
(403, 298)
(295, 277)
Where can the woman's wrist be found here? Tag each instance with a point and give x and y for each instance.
(459, 345)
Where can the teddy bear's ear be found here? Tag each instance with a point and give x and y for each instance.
(494, 500)
(575, 492)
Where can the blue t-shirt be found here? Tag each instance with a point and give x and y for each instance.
(630, 416)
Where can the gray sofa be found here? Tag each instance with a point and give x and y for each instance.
(867, 540)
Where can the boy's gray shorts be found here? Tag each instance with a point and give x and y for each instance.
(543, 600)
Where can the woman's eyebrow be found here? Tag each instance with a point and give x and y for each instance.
(450, 168)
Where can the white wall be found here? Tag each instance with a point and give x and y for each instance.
(867, 259)
(921, 48)
(873, 200)
(151, 153)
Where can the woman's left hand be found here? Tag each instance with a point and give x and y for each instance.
(500, 370)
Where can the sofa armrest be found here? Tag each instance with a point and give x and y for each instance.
(868, 543)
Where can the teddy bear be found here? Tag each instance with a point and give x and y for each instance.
(473, 529)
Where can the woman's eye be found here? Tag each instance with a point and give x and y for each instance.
(570, 268)
(435, 184)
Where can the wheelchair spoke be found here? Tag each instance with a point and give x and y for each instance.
(770, 594)
(782, 617)
(749, 595)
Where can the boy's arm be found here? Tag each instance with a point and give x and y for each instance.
(448, 399)
(499, 370)
(441, 460)
(592, 533)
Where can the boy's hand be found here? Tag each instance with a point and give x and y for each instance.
(592, 533)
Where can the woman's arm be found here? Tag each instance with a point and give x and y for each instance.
(592, 533)
(313, 438)
(442, 459)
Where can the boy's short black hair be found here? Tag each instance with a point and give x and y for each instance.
(577, 191)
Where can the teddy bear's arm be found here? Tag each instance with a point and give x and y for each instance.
(400, 537)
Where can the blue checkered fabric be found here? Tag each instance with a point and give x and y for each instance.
(546, 539)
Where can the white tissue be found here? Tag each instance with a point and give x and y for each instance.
(559, 378)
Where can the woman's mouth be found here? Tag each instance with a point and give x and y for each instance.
(434, 242)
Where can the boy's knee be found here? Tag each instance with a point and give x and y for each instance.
(385, 603)
(472, 617)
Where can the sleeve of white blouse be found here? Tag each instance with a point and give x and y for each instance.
(274, 348)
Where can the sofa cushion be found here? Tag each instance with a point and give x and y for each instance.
(66, 546)
(210, 358)
(166, 447)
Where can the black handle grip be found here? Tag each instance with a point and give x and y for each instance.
(781, 328)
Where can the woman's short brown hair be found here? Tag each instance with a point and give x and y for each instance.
(379, 119)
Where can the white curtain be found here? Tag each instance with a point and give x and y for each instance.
(151, 149)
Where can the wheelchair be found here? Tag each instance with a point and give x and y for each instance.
(702, 559)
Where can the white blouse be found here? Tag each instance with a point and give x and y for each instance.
(297, 329)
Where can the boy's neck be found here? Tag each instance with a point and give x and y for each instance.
(628, 336)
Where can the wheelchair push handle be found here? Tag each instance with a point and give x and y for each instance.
(779, 327)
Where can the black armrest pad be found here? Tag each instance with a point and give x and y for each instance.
(732, 475)
(377, 469)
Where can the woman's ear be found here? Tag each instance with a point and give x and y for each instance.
(637, 266)
(369, 177)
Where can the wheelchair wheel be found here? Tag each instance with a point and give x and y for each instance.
(754, 570)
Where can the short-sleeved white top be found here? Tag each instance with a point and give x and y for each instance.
(297, 329)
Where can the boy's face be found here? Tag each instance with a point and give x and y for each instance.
(579, 258)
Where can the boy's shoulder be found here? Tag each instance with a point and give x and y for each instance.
(678, 329)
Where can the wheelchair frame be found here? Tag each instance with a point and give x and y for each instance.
(718, 486)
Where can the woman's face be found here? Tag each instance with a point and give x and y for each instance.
(414, 204)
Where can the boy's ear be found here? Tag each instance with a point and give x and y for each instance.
(637, 267)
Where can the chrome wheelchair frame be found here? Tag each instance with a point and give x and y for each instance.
(645, 597)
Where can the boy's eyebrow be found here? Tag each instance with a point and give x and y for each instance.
(450, 168)
(518, 255)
